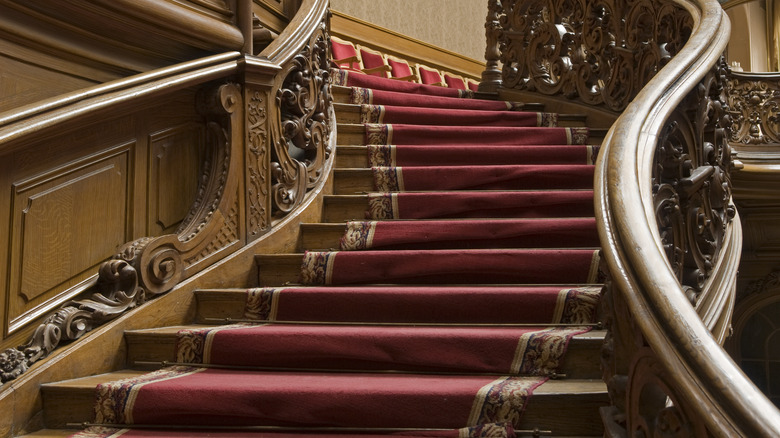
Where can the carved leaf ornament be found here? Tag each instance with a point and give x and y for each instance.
(755, 109)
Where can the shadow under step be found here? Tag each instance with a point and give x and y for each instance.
(565, 407)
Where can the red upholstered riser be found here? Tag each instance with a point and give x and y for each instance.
(454, 116)
(471, 155)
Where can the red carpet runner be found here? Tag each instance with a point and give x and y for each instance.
(443, 312)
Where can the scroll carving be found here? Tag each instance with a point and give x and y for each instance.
(598, 51)
(301, 133)
(257, 163)
(691, 183)
(755, 108)
(150, 266)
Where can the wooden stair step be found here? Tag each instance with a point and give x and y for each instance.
(566, 407)
(352, 181)
(352, 157)
(278, 269)
(158, 344)
(342, 208)
(321, 236)
(341, 95)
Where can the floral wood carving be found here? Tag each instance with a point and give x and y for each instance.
(150, 266)
(691, 183)
(301, 134)
(601, 52)
(755, 108)
(257, 163)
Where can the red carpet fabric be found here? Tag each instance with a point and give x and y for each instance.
(426, 116)
(499, 350)
(507, 177)
(360, 96)
(517, 204)
(425, 304)
(449, 234)
(464, 135)
(173, 396)
(470, 155)
(506, 266)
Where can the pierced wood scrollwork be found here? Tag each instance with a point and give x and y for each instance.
(301, 132)
(151, 266)
(691, 183)
(691, 190)
(601, 52)
(754, 101)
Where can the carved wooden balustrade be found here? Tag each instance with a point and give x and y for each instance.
(670, 234)
(261, 131)
(754, 102)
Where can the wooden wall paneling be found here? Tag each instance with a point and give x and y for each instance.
(275, 14)
(175, 154)
(23, 83)
(64, 223)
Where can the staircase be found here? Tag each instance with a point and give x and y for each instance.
(464, 305)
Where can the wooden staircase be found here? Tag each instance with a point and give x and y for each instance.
(565, 406)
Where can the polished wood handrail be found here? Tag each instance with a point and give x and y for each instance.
(696, 369)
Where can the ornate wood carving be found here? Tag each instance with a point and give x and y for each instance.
(691, 183)
(754, 101)
(600, 52)
(257, 163)
(300, 130)
(150, 266)
(691, 190)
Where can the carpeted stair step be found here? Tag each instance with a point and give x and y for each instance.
(498, 266)
(565, 407)
(463, 204)
(484, 304)
(494, 177)
(452, 234)
(348, 113)
(463, 155)
(298, 347)
(387, 134)
(348, 96)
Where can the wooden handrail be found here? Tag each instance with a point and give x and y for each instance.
(709, 393)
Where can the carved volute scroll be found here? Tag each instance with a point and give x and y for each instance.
(691, 183)
(300, 131)
(754, 100)
(150, 266)
(601, 52)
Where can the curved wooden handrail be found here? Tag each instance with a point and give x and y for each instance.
(703, 377)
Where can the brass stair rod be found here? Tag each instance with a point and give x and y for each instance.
(166, 363)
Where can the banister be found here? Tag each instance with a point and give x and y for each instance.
(265, 124)
(707, 390)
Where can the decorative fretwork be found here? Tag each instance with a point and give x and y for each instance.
(691, 183)
(754, 101)
(301, 134)
(151, 266)
(601, 52)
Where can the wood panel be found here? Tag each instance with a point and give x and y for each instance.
(74, 195)
(63, 224)
(175, 156)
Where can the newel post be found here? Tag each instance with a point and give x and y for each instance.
(491, 77)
